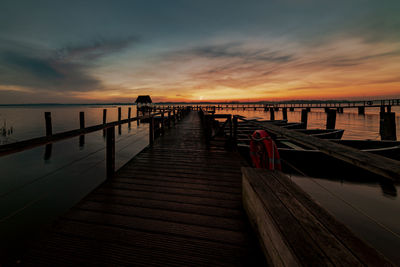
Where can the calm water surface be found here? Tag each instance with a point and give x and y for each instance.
(34, 191)
(371, 209)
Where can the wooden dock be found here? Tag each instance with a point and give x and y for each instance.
(177, 203)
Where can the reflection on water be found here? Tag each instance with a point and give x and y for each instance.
(39, 184)
(368, 205)
(370, 209)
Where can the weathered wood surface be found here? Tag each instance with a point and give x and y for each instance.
(175, 204)
(377, 164)
(295, 231)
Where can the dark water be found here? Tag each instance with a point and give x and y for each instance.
(33, 191)
(369, 207)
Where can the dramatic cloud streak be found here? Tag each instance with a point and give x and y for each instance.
(198, 50)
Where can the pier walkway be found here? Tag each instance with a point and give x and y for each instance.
(177, 203)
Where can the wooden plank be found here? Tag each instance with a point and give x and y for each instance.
(167, 205)
(368, 255)
(176, 203)
(164, 215)
(338, 244)
(302, 247)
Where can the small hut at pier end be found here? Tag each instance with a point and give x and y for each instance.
(143, 102)
(143, 99)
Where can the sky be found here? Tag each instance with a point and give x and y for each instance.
(188, 50)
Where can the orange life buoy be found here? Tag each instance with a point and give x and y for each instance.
(264, 152)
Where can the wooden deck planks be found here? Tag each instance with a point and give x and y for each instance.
(292, 227)
(177, 203)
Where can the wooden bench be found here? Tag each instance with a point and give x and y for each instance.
(293, 230)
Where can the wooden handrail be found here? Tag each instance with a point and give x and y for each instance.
(40, 141)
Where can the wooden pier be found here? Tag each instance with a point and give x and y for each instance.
(176, 203)
(185, 200)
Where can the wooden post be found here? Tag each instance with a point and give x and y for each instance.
(119, 113)
(137, 115)
(81, 119)
(361, 110)
(388, 126)
(304, 117)
(151, 130)
(230, 127)
(162, 122)
(291, 109)
(129, 116)
(308, 109)
(82, 125)
(235, 126)
(331, 119)
(119, 119)
(49, 127)
(104, 116)
(110, 152)
(49, 132)
(272, 114)
(284, 113)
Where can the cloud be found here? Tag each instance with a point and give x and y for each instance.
(65, 70)
(95, 49)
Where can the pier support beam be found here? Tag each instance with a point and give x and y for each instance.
(151, 130)
(387, 128)
(110, 152)
(49, 132)
(361, 110)
(129, 116)
(284, 113)
(304, 117)
(272, 114)
(49, 128)
(331, 119)
(82, 125)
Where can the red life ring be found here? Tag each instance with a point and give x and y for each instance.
(264, 152)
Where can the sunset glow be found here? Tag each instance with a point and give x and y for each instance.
(276, 51)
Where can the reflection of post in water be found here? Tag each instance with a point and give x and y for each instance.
(82, 125)
(119, 119)
(47, 151)
(49, 131)
(104, 121)
(388, 188)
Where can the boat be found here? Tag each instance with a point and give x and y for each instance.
(316, 163)
(320, 133)
(323, 133)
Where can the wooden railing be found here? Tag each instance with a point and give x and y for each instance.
(214, 128)
(157, 122)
